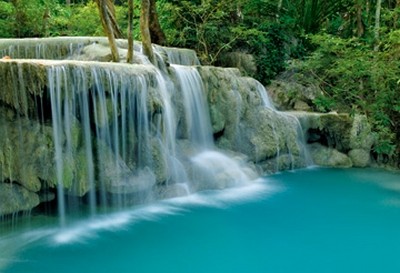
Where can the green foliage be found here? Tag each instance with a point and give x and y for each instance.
(205, 26)
(81, 20)
(213, 27)
(324, 104)
(355, 77)
(6, 15)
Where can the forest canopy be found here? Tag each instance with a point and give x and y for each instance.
(351, 48)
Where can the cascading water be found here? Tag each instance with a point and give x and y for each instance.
(214, 166)
(126, 134)
(197, 120)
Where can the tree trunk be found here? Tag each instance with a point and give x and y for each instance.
(156, 33)
(396, 16)
(109, 17)
(46, 16)
(129, 57)
(377, 23)
(108, 27)
(360, 25)
(145, 31)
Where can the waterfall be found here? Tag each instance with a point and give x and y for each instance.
(197, 120)
(124, 134)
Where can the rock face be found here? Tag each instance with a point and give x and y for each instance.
(344, 141)
(243, 61)
(242, 121)
(15, 198)
(290, 93)
(329, 157)
(26, 151)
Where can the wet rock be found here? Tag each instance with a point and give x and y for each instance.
(15, 198)
(128, 183)
(329, 157)
(26, 150)
(243, 121)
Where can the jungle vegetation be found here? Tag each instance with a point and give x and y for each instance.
(350, 48)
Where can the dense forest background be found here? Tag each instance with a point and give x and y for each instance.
(350, 49)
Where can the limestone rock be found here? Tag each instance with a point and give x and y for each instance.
(329, 157)
(360, 157)
(15, 198)
(243, 61)
(331, 129)
(289, 90)
(128, 183)
(243, 120)
(26, 150)
(360, 134)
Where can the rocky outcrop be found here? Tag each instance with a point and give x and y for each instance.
(15, 198)
(26, 151)
(242, 121)
(243, 61)
(291, 92)
(329, 157)
(344, 140)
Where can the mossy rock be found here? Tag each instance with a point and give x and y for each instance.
(329, 157)
(15, 198)
(360, 157)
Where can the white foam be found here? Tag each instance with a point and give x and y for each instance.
(226, 197)
(81, 231)
(86, 229)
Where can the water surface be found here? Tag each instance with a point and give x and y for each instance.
(312, 220)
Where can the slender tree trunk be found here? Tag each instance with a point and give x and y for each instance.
(145, 31)
(377, 23)
(129, 58)
(396, 16)
(108, 28)
(367, 9)
(113, 19)
(360, 25)
(156, 33)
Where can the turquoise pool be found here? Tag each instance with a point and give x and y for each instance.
(312, 220)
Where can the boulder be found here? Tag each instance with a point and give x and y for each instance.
(243, 61)
(329, 157)
(360, 157)
(15, 198)
(291, 92)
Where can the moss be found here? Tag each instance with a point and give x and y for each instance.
(81, 177)
(15, 198)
